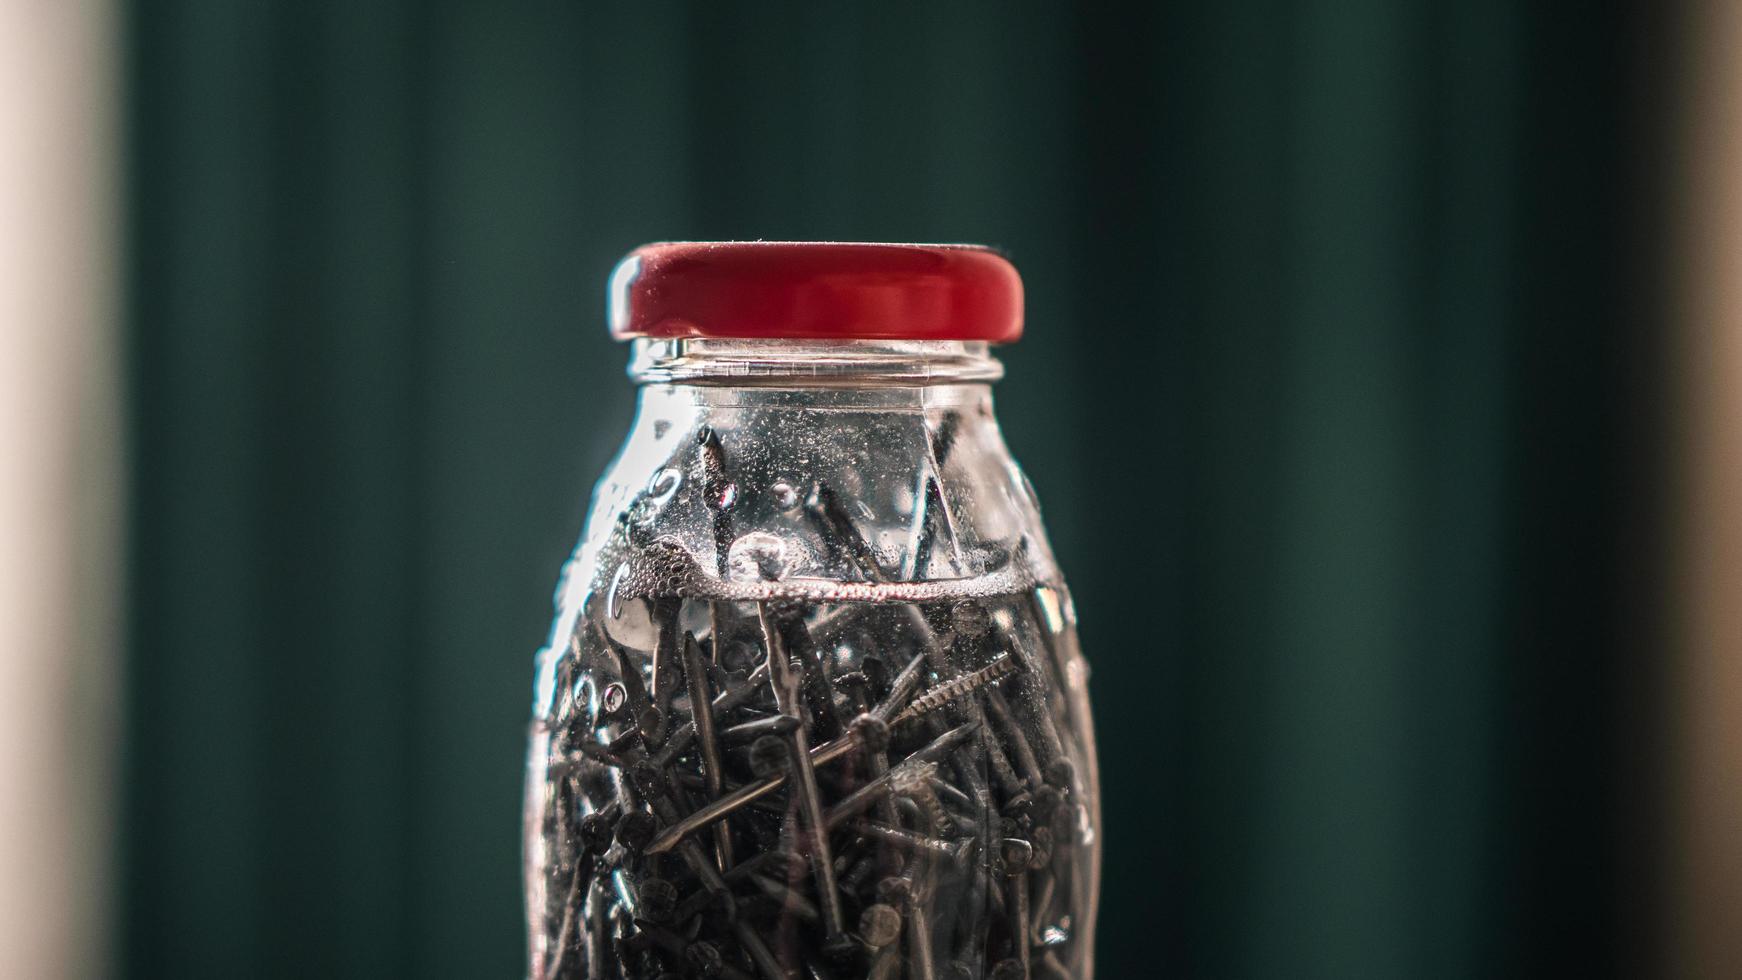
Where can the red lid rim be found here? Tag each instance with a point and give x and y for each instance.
(816, 291)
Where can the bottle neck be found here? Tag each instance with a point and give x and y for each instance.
(811, 363)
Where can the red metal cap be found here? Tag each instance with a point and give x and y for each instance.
(816, 290)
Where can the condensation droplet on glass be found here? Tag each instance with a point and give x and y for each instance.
(785, 497)
(727, 496)
(662, 486)
(628, 621)
(613, 603)
(758, 557)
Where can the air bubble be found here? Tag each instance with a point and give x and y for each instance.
(661, 487)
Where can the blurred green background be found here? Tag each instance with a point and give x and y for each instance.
(1340, 362)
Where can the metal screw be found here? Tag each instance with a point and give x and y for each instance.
(958, 688)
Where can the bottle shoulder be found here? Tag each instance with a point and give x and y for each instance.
(823, 495)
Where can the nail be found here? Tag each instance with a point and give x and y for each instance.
(655, 899)
(837, 529)
(1015, 855)
(800, 647)
(1058, 774)
(855, 688)
(950, 791)
(1041, 838)
(716, 635)
(928, 511)
(919, 952)
(756, 728)
(621, 744)
(744, 796)
(970, 620)
(718, 492)
(943, 438)
(768, 756)
(705, 959)
(785, 686)
(999, 709)
(594, 839)
(758, 951)
(645, 716)
(877, 673)
(650, 781)
(912, 766)
(684, 734)
(956, 853)
(787, 896)
(702, 717)
(902, 688)
(879, 925)
(602, 754)
(700, 961)
(1008, 781)
(665, 659)
(635, 828)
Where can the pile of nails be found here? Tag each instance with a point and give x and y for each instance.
(817, 791)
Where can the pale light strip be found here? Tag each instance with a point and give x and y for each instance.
(60, 492)
(1705, 929)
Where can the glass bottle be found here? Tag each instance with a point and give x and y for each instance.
(812, 704)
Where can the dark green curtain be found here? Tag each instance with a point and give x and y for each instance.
(1338, 386)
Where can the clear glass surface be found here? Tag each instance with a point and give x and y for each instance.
(812, 705)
